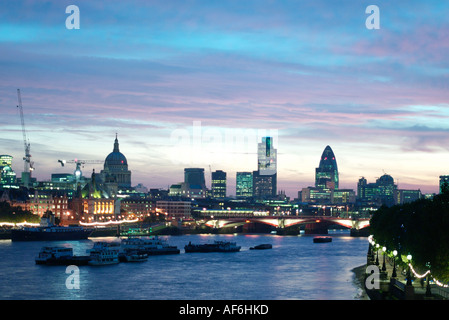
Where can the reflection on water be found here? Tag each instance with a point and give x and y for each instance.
(295, 268)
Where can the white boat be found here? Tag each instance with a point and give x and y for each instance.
(104, 253)
(150, 246)
(133, 256)
(60, 256)
(48, 254)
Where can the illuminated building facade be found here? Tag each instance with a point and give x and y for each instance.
(8, 176)
(244, 185)
(382, 192)
(93, 203)
(326, 175)
(267, 157)
(265, 178)
(174, 209)
(264, 186)
(219, 184)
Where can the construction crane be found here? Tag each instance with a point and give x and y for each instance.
(79, 164)
(28, 165)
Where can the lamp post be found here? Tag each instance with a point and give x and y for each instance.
(394, 275)
(384, 266)
(409, 277)
(377, 254)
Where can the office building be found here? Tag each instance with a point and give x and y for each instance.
(264, 186)
(244, 185)
(265, 178)
(444, 183)
(326, 175)
(267, 157)
(382, 192)
(219, 184)
(194, 176)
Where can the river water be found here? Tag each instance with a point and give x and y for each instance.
(295, 268)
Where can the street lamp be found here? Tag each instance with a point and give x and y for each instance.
(394, 275)
(377, 254)
(384, 267)
(409, 280)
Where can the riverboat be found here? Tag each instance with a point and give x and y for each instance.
(322, 239)
(60, 256)
(217, 246)
(262, 247)
(149, 245)
(104, 253)
(47, 231)
(133, 256)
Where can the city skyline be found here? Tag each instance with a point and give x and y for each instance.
(154, 73)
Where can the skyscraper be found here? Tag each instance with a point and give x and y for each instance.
(244, 185)
(265, 178)
(219, 184)
(195, 176)
(326, 175)
(267, 157)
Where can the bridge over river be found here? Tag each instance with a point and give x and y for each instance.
(313, 224)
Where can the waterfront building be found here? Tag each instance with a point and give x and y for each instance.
(116, 168)
(244, 185)
(326, 175)
(136, 208)
(94, 202)
(219, 184)
(174, 209)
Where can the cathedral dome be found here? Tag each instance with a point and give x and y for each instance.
(115, 158)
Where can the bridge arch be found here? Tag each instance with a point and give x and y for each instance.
(285, 222)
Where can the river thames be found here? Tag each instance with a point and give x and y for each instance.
(294, 269)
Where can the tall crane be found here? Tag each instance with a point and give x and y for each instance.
(79, 164)
(28, 164)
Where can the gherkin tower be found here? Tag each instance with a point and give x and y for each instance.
(326, 175)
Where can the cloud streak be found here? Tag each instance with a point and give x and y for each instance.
(308, 69)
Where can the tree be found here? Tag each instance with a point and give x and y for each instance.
(420, 228)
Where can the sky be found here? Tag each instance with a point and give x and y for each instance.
(198, 83)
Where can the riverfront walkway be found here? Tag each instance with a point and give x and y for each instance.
(397, 288)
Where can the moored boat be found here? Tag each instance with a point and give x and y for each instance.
(262, 247)
(60, 256)
(217, 246)
(322, 239)
(47, 231)
(104, 253)
(133, 256)
(149, 245)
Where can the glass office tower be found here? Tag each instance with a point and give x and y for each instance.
(326, 175)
